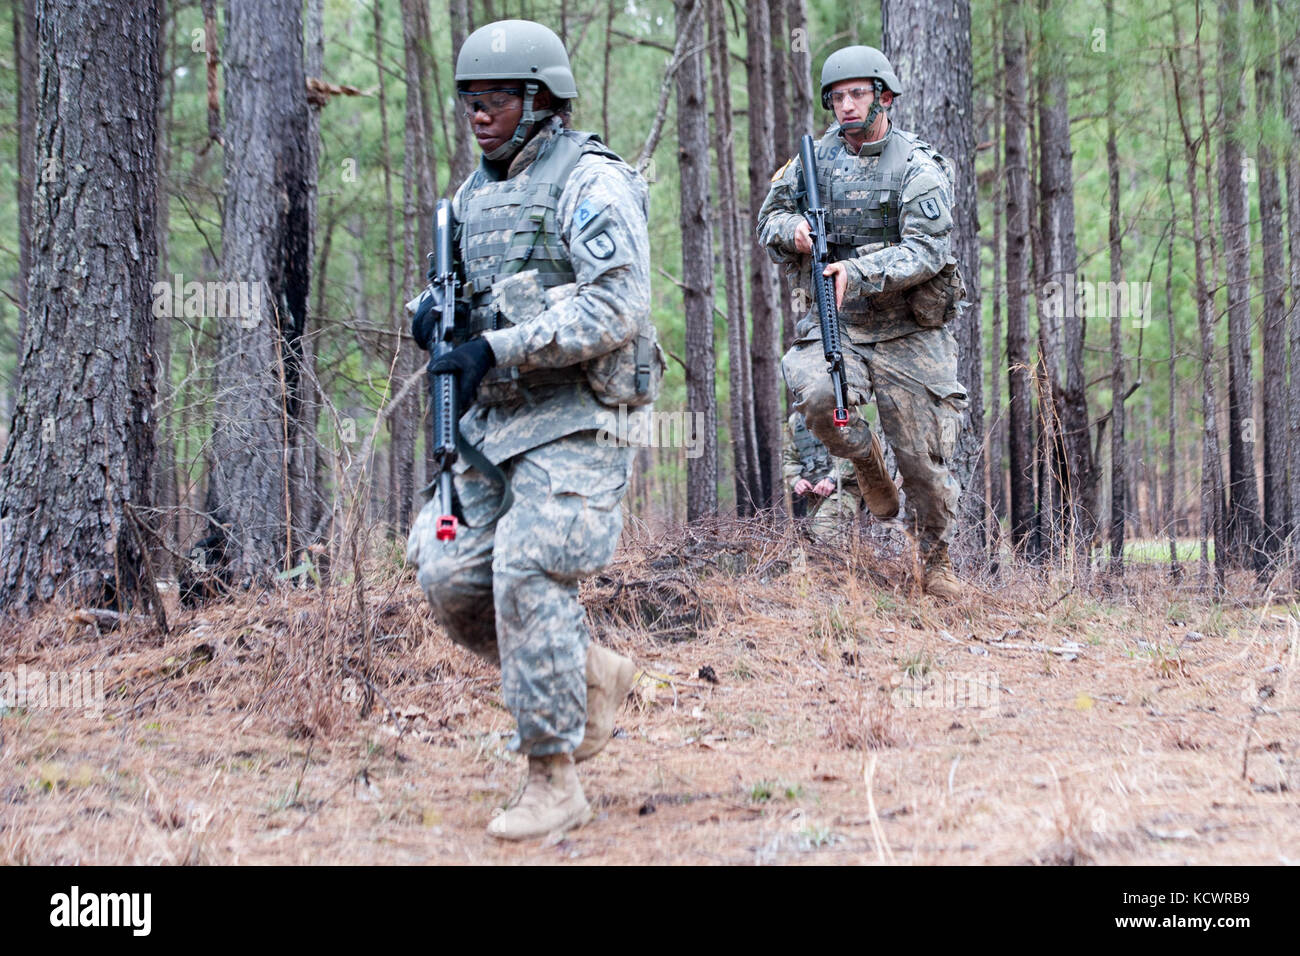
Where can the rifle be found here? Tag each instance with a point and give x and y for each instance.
(442, 388)
(824, 286)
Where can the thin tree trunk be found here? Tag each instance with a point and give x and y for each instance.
(1273, 317)
(1212, 524)
(997, 443)
(75, 478)
(1291, 84)
(1020, 442)
(1075, 472)
(743, 444)
(1244, 526)
(462, 162)
(1118, 449)
(697, 264)
(764, 412)
(164, 465)
(1171, 494)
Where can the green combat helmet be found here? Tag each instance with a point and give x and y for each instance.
(517, 50)
(860, 62)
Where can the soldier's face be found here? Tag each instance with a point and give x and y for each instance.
(492, 126)
(854, 100)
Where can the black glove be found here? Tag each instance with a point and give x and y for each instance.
(469, 363)
(426, 317)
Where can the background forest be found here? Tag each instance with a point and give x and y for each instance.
(1128, 215)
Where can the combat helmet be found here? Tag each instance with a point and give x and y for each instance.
(517, 50)
(864, 62)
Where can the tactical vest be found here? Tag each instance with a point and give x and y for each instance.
(863, 203)
(509, 225)
(813, 456)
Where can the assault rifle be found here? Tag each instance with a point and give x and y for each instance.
(824, 286)
(442, 388)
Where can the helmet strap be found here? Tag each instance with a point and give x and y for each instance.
(527, 121)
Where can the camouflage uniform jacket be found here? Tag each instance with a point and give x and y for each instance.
(602, 222)
(874, 308)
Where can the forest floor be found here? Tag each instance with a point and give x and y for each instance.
(796, 705)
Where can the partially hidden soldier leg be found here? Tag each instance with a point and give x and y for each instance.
(921, 402)
(456, 575)
(804, 368)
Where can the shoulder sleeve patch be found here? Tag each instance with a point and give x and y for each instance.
(781, 172)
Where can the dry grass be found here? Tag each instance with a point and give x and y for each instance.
(1143, 725)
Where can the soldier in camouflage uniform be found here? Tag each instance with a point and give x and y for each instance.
(507, 586)
(830, 484)
(889, 215)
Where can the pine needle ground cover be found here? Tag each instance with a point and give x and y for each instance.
(797, 705)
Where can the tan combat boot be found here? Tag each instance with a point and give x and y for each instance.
(609, 678)
(940, 581)
(878, 489)
(552, 801)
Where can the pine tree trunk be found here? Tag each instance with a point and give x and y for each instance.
(75, 482)
(266, 245)
(1171, 492)
(997, 442)
(768, 424)
(1212, 517)
(1020, 431)
(697, 264)
(741, 398)
(1273, 317)
(462, 161)
(1244, 526)
(1291, 84)
(1074, 471)
(937, 106)
(1118, 449)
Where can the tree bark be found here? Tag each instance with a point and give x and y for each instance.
(1020, 431)
(744, 446)
(75, 479)
(996, 467)
(937, 105)
(697, 264)
(768, 423)
(1244, 527)
(1273, 317)
(1118, 449)
(1212, 516)
(266, 245)
(1291, 84)
(1073, 470)
(25, 67)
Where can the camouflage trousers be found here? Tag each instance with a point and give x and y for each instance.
(508, 590)
(834, 515)
(920, 401)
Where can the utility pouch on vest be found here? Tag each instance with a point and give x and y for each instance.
(934, 302)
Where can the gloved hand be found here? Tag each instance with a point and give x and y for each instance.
(426, 316)
(469, 363)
